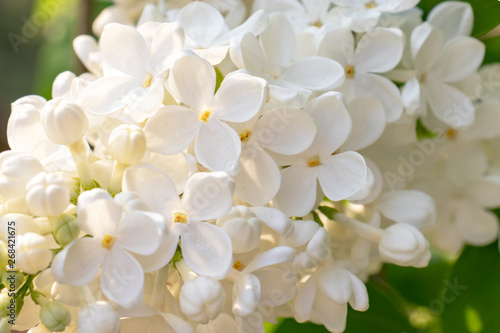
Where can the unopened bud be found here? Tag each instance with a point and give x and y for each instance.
(65, 229)
(47, 195)
(243, 227)
(127, 144)
(55, 316)
(64, 123)
(98, 317)
(202, 299)
(404, 245)
(16, 170)
(33, 253)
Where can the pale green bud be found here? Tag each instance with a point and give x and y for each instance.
(65, 229)
(55, 316)
(12, 280)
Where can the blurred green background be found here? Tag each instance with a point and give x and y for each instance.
(452, 295)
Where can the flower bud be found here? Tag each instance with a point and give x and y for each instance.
(243, 227)
(64, 123)
(12, 280)
(33, 253)
(47, 195)
(127, 144)
(246, 295)
(55, 316)
(98, 318)
(404, 245)
(16, 169)
(5, 326)
(4, 303)
(202, 299)
(65, 229)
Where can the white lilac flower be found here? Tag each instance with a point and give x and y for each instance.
(339, 175)
(363, 61)
(192, 82)
(134, 70)
(115, 239)
(437, 68)
(271, 57)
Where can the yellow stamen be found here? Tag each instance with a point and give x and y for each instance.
(147, 81)
(108, 241)
(313, 162)
(422, 78)
(370, 5)
(451, 133)
(238, 266)
(180, 217)
(349, 72)
(205, 115)
(244, 136)
(318, 24)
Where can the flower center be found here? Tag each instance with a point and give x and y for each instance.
(451, 134)
(238, 266)
(147, 81)
(422, 78)
(370, 5)
(205, 115)
(244, 136)
(313, 161)
(349, 72)
(180, 217)
(108, 241)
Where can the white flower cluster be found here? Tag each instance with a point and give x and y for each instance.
(216, 169)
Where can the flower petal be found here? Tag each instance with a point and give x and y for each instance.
(342, 175)
(206, 249)
(217, 146)
(338, 45)
(384, 90)
(82, 261)
(315, 73)
(304, 301)
(452, 68)
(258, 178)
(408, 206)
(380, 51)
(476, 225)
(154, 187)
(286, 130)
(275, 219)
(192, 82)
(239, 97)
(426, 45)
(277, 255)
(278, 41)
(485, 125)
(171, 129)
(297, 194)
(124, 49)
(201, 22)
(122, 277)
(454, 18)
(99, 217)
(248, 54)
(368, 118)
(138, 233)
(448, 103)
(206, 197)
(333, 122)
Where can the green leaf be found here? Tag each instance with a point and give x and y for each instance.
(423, 132)
(328, 211)
(486, 13)
(492, 54)
(469, 298)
